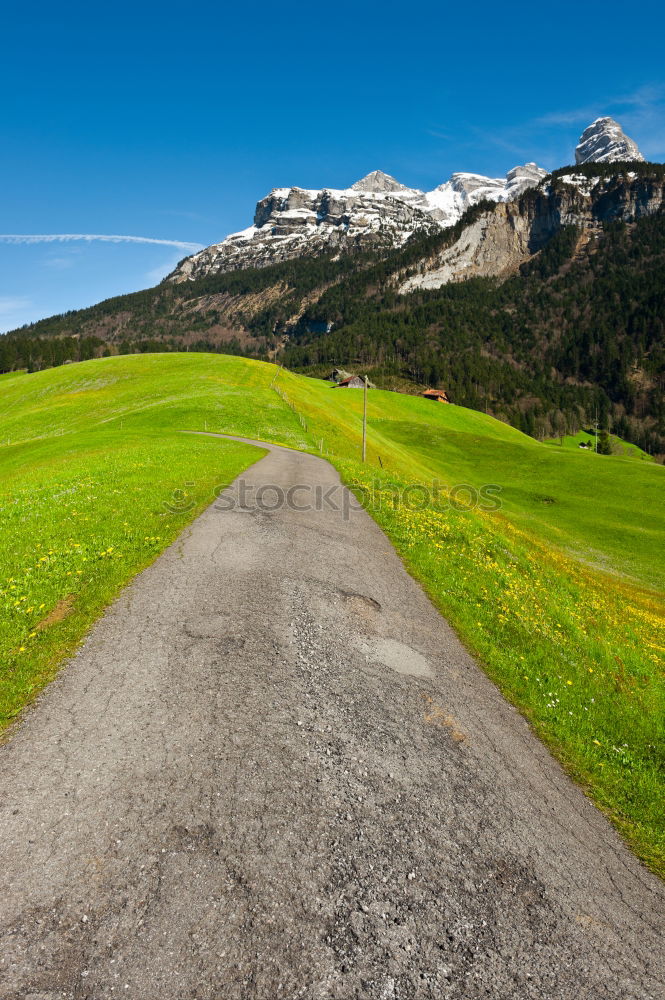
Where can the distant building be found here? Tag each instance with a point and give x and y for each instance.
(354, 382)
(438, 395)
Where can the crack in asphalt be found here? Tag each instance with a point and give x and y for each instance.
(236, 789)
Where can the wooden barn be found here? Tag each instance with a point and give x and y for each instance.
(354, 382)
(438, 395)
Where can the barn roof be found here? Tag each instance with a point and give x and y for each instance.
(354, 380)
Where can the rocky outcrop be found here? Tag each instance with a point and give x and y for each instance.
(493, 244)
(294, 222)
(379, 183)
(499, 240)
(604, 141)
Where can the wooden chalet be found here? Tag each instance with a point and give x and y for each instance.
(438, 395)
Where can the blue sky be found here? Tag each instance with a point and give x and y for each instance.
(169, 121)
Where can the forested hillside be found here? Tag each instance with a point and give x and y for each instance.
(578, 334)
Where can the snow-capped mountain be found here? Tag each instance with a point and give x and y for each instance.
(375, 211)
(378, 211)
(295, 222)
(604, 141)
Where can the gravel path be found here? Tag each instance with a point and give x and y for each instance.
(273, 772)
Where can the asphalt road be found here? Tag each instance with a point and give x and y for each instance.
(273, 772)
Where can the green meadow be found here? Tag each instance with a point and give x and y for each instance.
(555, 585)
(620, 448)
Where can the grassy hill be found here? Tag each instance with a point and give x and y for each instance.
(558, 591)
(621, 448)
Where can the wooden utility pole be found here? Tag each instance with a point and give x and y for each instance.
(595, 430)
(364, 418)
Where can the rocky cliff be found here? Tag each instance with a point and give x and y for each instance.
(604, 141)
(502, 238)
(293, 222)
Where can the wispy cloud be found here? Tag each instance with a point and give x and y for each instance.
(641, 112)
(11, 304)
(181, 214)
(90, 237)
(508, 141)
(60, 263)
(550, 139)
(573, 116)
(156, 274)
(15, 310)
(643, 98)
(652, 93)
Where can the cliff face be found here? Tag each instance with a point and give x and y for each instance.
(377, 212)
(502, 238)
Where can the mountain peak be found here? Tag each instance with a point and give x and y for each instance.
(604, 141)
(376, 182)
